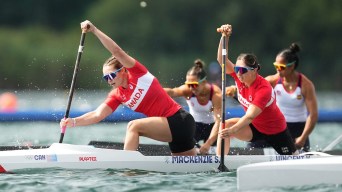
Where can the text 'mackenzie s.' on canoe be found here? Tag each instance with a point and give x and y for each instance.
(68, 156)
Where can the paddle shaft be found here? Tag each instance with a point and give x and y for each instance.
(73, 82)
(222, 167)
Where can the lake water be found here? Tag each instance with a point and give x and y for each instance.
(45, 133)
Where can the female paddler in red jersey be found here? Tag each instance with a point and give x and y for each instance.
(263, 119)
(135, 87)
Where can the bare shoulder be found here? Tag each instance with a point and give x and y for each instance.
(217, 92)
(272, 79)
(217, 89)
(306, 82)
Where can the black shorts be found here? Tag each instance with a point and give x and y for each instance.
(203, 132)
(296, 130)
(282, 142)
(182, 126)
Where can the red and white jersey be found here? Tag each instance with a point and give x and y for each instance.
(261, 94)
(144, 94)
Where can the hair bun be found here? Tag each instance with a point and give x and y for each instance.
(294, 47)
(199, 63)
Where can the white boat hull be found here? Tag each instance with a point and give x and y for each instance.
(290, 173)
(69, 156)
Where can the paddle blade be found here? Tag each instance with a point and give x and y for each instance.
(61, 138)
(223, 168)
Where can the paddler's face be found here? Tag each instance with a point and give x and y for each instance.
(113, 76)
(194, 84)
(245, 75)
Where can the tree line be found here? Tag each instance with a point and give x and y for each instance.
(39, 39)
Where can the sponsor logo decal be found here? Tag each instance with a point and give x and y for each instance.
(49, 158)
(87, 158)
(192, 159)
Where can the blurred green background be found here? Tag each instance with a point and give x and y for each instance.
(39, 38)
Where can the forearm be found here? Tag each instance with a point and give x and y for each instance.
(169, 91)
(309, 126)
(219, 52)
(213, 134)
(88, 119)
(228, 63)
(107, 42)
(243, 122)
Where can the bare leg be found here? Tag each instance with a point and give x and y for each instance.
(228, 123)
(226, 146)
(156, 128)
(244, 134)
(152, 127)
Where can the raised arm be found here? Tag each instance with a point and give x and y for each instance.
(109, 44)
(226, 31)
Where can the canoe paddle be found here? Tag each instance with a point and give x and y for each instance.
(222, 167)
(73, 82)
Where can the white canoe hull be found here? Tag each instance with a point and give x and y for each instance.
(69, 156)
(290, 173)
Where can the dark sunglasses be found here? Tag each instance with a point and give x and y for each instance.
(242, 70)
(111, 75)
(194, 84)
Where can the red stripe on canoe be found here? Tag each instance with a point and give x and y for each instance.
(2, 170)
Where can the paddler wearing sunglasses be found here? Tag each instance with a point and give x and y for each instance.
(136, 88)
(296, 97)
(204, 101)
(262, 119)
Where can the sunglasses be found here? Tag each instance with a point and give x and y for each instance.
(194, 84)
(111, 75)
(242, 70)
(281, 66)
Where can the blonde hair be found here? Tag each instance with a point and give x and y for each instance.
(112, 61)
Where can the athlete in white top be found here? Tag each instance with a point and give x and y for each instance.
(204, 101)
(291, 104)
(296, 96)
(136, 88)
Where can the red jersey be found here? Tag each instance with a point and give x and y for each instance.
(261, 94)
(144, 94)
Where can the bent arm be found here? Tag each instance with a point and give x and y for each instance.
(252, 112)
(311, 105)
(109, 44)
(182, 91)
(273, 79)
(217, 110)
